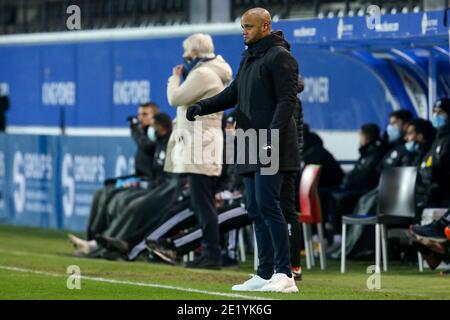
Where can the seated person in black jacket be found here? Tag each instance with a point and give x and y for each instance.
(434, 170)
(419, 137)
(315, 153)
(111, 206)
(363, 177)
(433, 185)
(143, 133)
(394, 138)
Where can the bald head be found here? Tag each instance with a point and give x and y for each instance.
(260, 14)
(256, 24)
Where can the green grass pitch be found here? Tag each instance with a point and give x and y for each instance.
(34, 262)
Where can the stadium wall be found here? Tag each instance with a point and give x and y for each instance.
(88, 82)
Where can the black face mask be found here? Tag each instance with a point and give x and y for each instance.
(190, 64)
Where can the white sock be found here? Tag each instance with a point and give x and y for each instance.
(92, 245)
(337, 238)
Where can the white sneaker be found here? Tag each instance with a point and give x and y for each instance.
(280, 282)
(255, 283)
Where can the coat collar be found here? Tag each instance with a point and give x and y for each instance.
(370, 147)
(444, 131)
(259, 48)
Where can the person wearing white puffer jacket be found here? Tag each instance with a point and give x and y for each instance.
(196, 148)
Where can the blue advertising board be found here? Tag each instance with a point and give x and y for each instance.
(358, 69)
(49, 181)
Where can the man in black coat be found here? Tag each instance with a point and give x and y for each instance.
(265, 92)
(315, 153)
(143, 134)
(363, 177)
(394, 137)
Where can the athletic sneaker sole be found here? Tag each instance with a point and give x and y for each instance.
(298, 277)
(246, 290)
(419, 237)
(164, 257)
(292, 289)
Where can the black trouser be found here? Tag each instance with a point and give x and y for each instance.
(183, 218)
(230, 218)
(287, 203)
(202, 201)
(263, 204)
(99, 219)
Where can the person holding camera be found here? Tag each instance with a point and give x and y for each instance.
(143, 134)
(118, 187)
(125, 211)
(196, 149)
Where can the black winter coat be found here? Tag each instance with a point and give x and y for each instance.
(314, 153)
(143, 159)
(365, 174)
(159, 158)
(265, 92)
(434, 172)
(398, 156)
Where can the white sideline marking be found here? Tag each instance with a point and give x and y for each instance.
(139, 284)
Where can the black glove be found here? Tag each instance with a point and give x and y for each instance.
(132, 120)
(193, 111)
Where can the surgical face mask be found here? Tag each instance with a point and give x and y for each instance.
(438, 120)
(393, 132)
(151, 133)
(412, 146)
